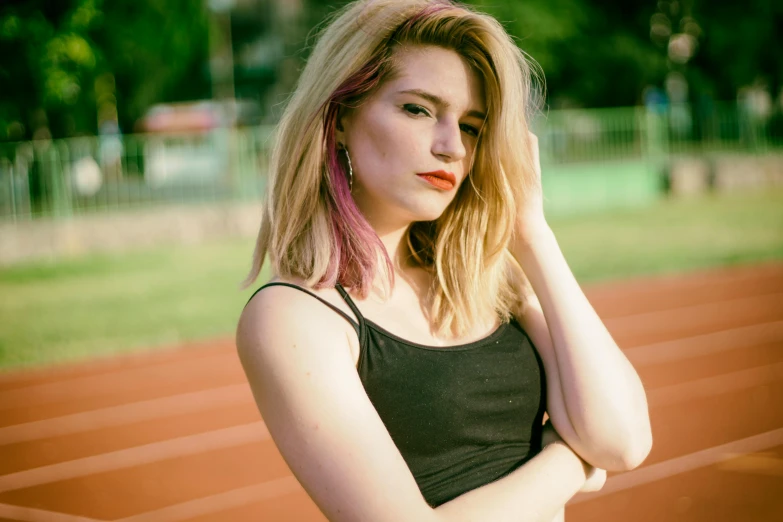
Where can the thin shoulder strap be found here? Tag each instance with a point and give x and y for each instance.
(357, 326)
(349, 301)
(362, 330)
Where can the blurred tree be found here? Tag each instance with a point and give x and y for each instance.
(66, 65)
(605, 52)
(157, 50)
(741, 44)
(579, 44)
(594, 53)
(47, 62)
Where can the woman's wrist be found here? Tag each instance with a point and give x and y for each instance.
(530, 238)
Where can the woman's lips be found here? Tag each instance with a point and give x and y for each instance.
(439, 179)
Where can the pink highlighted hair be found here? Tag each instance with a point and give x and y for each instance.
(312, 229)
(356, 245)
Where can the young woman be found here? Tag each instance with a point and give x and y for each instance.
(421, 319)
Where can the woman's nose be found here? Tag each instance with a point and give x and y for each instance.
(448, 141)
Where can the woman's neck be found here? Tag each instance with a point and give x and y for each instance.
(396, 244)
(395, 240)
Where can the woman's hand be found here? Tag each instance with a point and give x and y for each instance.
(596, 477)
(530, 214)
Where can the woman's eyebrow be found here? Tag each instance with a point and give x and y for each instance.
(437, 100)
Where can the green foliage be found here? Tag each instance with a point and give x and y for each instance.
(65, 62)
(593, 53)
(741, 44)
(581, 45)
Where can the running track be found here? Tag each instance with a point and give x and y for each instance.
(175, 435)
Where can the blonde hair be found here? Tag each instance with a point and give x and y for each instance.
(311, 229)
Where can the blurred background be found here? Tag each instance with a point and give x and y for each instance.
(134, 142)
(134, 139)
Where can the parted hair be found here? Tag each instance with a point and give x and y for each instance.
(311, 229)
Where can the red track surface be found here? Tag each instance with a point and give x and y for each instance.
(176, 435)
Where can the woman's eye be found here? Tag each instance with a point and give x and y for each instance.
(470, 129)
(415, 109)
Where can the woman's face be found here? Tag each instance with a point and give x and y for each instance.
(424, 120)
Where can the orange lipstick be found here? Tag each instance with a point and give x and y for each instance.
(439, 179)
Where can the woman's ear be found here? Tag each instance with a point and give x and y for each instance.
(340, 125)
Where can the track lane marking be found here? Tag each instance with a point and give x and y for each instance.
(673, 323)
(755, 463)
(684, 464)
(128, 381)
(220, 502)
(143, 358)
(719, 384)
(240, 393)
(127, 413)
(660, 286)
(639, 477)
(88, 386)
(28, 514)
(705, 344)
(136, 456)
(257, 431)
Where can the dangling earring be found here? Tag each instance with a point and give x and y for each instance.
(350, 168)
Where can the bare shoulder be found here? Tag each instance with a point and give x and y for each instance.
(276, 312)
(296, 354)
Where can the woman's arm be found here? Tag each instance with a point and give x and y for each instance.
(595, 480)
(536, 491)
(296, 354)
(595, 398)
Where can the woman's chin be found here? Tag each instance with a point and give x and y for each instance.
(429, 214)
(412, 209)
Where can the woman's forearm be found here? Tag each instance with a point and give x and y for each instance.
(597, 404)
(535, 492)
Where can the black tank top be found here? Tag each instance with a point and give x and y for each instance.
(461, 416)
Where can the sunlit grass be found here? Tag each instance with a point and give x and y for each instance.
(75, 309)
(108, 304)
(674, 236)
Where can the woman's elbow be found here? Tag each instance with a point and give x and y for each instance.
(634, 452)
(620, 453)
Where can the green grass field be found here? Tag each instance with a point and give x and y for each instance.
(75, 309)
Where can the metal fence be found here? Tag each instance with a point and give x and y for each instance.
(595, 135)
(63, 178)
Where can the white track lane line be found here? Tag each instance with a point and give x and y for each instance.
(647, 287)
(228, 363)
(673, 323)
(27, 514)
(237, 435)
(129, 381)
(720, 384)
(136, 456)
(128, 413)
(220, 502)
(706, 344)
(684, 464)
(639, 477)
(640, 356)
(240, 393)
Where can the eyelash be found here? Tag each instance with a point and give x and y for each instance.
(417, 110)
